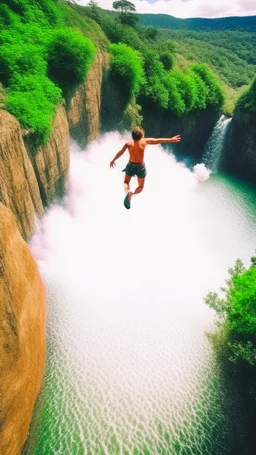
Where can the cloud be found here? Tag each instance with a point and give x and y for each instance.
(190, 8)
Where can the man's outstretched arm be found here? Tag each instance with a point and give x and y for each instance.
(112, 163)
(162, 140)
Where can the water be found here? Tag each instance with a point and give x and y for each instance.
(214, 146)
(130, 369)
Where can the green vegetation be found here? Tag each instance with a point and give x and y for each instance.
(235, 338)
(247, 23)
(69, 56)
(126, 70)
(248, 99)
(39, 58)
(236, 311)
(47, 47)
(230, 54)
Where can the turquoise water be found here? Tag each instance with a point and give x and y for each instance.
(130, 369)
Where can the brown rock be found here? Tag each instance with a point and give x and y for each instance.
(18, 185)
(51, 162)
(83, 110)
(22, 335)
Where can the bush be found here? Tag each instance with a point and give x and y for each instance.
(69, 57)
(215, 94)
(44, 12)
(20, 59)
(247, 100)
(236, 311)
(126, 69)
(186, 87)
(33, 101)
(176, 104)
(167, 59)
(154, 90)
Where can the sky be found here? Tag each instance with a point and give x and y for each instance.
(189, 8)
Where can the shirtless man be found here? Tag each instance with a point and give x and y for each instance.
(136, 165)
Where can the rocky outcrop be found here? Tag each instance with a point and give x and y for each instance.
(240, 148)
(18, 184)
(22, 335)
(84, 107)
(194, 128)
(30, 178)
(51, 162)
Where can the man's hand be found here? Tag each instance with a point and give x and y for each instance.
(112, 163)
(176, 138)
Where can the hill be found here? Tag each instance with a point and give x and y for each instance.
(246, 23)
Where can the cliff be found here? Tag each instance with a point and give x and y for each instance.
(194, 128)
(30, 178)
(51, 162)
(84, 107)
(22, 335)
(18, 185)
(240, 148)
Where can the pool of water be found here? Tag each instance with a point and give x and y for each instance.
(130, 369)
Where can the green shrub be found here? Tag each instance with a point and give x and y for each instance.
(176, 104)
(247, 100)
(167, 59)
(126, 69)
(69, 57)
(20, 59)
(236, 311)
(243, 296)
(215, 94)
(44, 12)
(154, 90)
(201, 92)
(187, 88)
(33, 101)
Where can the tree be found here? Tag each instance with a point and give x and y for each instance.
(93, 4)
(124, 6)
(126, 10)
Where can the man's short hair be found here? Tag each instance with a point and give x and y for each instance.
(137, 134)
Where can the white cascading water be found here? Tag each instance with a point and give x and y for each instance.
(214, 147)
(130, 369)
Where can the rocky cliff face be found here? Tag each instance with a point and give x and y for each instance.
(194, 128)
(51, 162)
(240, 148)
(18, 184)
(83, 109)
(31, 178)
(22, 335)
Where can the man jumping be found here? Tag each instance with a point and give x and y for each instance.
(136, 165)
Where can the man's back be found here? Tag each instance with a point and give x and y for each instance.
(136, 150)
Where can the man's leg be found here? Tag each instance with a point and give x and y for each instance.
(127, 179)
(139, 189)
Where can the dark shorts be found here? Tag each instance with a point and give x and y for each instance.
(138, 169)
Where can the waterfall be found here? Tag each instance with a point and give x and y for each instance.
(214, 146)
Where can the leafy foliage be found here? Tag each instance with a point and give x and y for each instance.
(34, 43)
(248, 100)
(236, 311)
(32, 100)
(215, 94)
(167, 59)
(154, 90)
(69, 57)
(231, 54)
(126, 69)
